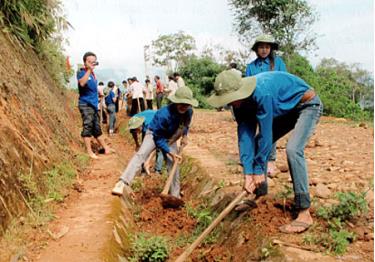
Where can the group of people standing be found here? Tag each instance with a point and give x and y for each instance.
(267, 104)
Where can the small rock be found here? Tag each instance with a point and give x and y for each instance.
(270, 182)
(332, 186)
(341, 120)
(332, 202)
(314, 181)
(347, 163)
(360, 232)
(370, 198)
(283, 168)
(371, 236)
(318, 143)
(322, 191)
(362, 124)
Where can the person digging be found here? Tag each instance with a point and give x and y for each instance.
(275, 103)
(168, 125)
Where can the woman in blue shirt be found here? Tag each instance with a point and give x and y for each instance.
(167, 126)
(275, 103)
(266, 60)
(110, 101)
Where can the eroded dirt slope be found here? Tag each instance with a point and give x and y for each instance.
(35, 131)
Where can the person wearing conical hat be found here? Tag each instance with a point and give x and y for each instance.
(169, 124)
(275, 103)
(139, 124)
(265, 47)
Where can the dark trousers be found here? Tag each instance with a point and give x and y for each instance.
(159, 100)
(135, 108)
(149, 103)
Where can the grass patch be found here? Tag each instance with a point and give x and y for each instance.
(204, 217)
(37, 192)
(149, 248)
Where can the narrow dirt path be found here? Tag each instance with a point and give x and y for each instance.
(86, 217)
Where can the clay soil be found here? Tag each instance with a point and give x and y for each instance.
(340, 162)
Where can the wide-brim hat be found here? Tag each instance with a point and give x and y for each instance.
(265, 39)
(230, 86)
(183, 95)
(135, 122)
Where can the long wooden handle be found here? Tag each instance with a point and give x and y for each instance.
(171, 175)
(208, 230)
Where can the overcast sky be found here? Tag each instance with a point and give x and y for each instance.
(117, 30)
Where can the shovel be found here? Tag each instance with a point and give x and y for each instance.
(208, 230)
(169, 201)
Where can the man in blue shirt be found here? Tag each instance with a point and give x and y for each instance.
(88, 104)
(275, 103)
(168, 125)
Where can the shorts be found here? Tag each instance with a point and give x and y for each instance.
(90, 121)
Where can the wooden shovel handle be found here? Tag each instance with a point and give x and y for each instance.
(171, 174)
(208, 230)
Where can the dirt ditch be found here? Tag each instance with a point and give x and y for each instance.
(237, 238)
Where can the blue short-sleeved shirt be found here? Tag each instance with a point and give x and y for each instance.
(166, 122)
(88, 94)
(109, 98)
(260, 65)
(148, 116)
(276, 94)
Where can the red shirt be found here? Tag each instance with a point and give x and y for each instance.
(159, 87)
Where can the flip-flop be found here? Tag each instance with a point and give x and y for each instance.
(245, 205)
(294, 224)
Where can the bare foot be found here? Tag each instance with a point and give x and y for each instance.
(301, 224)
(109, 150)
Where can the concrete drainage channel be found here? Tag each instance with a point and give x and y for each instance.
(145, 231)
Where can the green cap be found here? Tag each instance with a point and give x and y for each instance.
(265, 39)
(135, 122)
(183, 95)
(230, 86)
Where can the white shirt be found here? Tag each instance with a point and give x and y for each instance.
(180, 82)
(149, 90)
(172, 87)
(136, 89)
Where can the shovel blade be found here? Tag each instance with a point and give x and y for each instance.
(169, 201)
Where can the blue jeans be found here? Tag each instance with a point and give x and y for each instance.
(272, 156)
(111, 109)
(302, 120)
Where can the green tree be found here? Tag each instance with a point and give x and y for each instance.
(171, 50)
(199, 74)
(289, 21)
(341, 88)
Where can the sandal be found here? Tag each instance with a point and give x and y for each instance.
(294, 224)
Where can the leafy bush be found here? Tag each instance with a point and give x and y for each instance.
(204, 217)
(350, 205)
(146, 248)
(37, 24)
(333, 242)
(336, 238)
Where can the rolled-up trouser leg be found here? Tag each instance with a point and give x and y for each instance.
(137, 160)
(175, 187)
